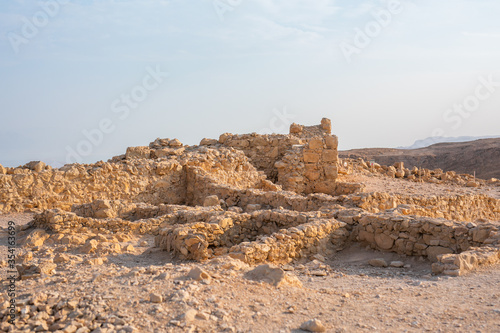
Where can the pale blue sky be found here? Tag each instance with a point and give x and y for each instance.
(236, 74)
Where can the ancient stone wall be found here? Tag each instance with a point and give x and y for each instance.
(166, 171)
(274, 235)
(310, 168)
(133, 178)
(63, 222)
(457, 207)
(304, 161)
(458, 264)
(420, 236)
(23, 189)
(263, 150)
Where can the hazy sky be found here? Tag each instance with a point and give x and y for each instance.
(86, 79)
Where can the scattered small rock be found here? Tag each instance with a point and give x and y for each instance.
(313, 325)
(198, 274)
(155, 298)
(379, 262)
(273, 275)
(397, 264)
(189, 316)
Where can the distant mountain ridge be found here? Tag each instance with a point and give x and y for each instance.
(479, 156)
(442, 139)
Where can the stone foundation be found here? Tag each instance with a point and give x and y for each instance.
(269, 235)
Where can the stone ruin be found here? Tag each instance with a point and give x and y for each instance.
(257, 198)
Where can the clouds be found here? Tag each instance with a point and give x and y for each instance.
(177, 25)
(266, 54)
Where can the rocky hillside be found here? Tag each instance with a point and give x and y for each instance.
(481, 156)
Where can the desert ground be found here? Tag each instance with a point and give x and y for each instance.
(344, 292)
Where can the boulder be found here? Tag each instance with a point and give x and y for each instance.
(273, 275)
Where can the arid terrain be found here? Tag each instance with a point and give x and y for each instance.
(250, 233)
(480, 156)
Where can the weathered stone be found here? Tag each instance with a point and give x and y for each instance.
(313, 325)
(89, 247)
(384, 241)
(326, 125)
(397, 264)
(296, 128)
(315, 143)
(155, 298)
(330, 155)
(61, 258)
(189, 316)
(434, 251)
(137, 153)
(36, 238)
(94, 261)
(379, 262)
(211, 200)
(208, 142)
(198, 274)
(311, 157)
(273, 275)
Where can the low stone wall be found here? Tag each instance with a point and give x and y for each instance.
(317, 236)
(420, 236)
(223, 233)
(266, 198)
(133, 180)
(59, 221)
(457, 207)
(80, 183)
(459, 264)
(104, 209)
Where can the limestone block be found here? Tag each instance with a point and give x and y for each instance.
(198, 274)
(36, 166)
(384, 241)
(326, 125)
(138, 152)
(296, 128)
(311, 157)
(434, 251)
(312, 175)
(331, 171)
(224, 137)
(330, 155)
(480, 234)
(174, 143)
(399, 165)
(315, 143)
(211, 200)
(332, 141)
(378, 262)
